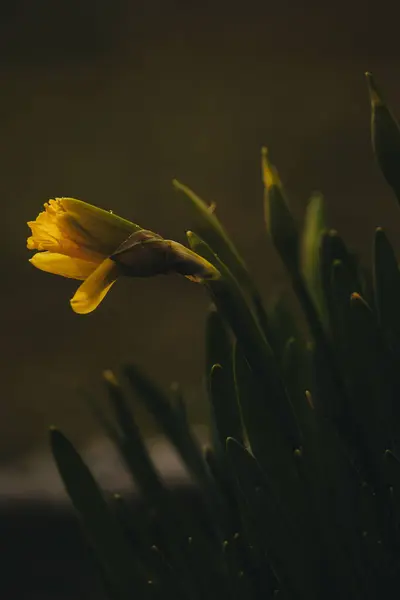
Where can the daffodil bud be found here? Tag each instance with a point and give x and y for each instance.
(385, 133)
(145, 254)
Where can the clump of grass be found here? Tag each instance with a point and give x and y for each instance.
(301, 484)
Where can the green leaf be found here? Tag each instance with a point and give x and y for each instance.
(314, 227)
(225, 410)
(218, 341)
(279, 220)
(139, 529)
(386, 277)
(370, 369)
(330, 388)
(266, 437)
(334, 249)
(106, 536)
(102, 419)
(297, 370)
(270, 529)
(219, 358)
(132, 446)
(387, 287)
(342, 286)
(392, 477)
(283, 323)
(231, 303)
(371, 387)
(334, 533)
(267, 443)
(215, 235)
(180, 436)
(179, 404)
(172, 527)
(385, 133)
(285, 236)
(222, 475)
(167, 584)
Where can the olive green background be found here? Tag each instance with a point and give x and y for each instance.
(107, 101)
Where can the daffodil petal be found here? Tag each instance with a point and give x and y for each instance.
(77, 229)
(101, 228)
(59, 264)
(92, 291)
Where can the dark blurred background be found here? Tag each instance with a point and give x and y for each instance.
(107, 101)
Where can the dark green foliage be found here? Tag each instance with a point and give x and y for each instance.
(160, 407)
(240, 317)
(387, 288)
(385, 137)
(314, 228)
(115, 556)
(300, 487)
(279, 220)
(214, 234)
(221, 383)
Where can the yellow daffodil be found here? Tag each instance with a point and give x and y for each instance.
(80, 241)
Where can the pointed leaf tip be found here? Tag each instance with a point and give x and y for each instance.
(375, 96)
(231, 442)
(385, 135)
(109, 377)
(279, 220)
(216, 367)
(269, 172)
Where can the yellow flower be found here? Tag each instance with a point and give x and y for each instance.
(81, 241)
